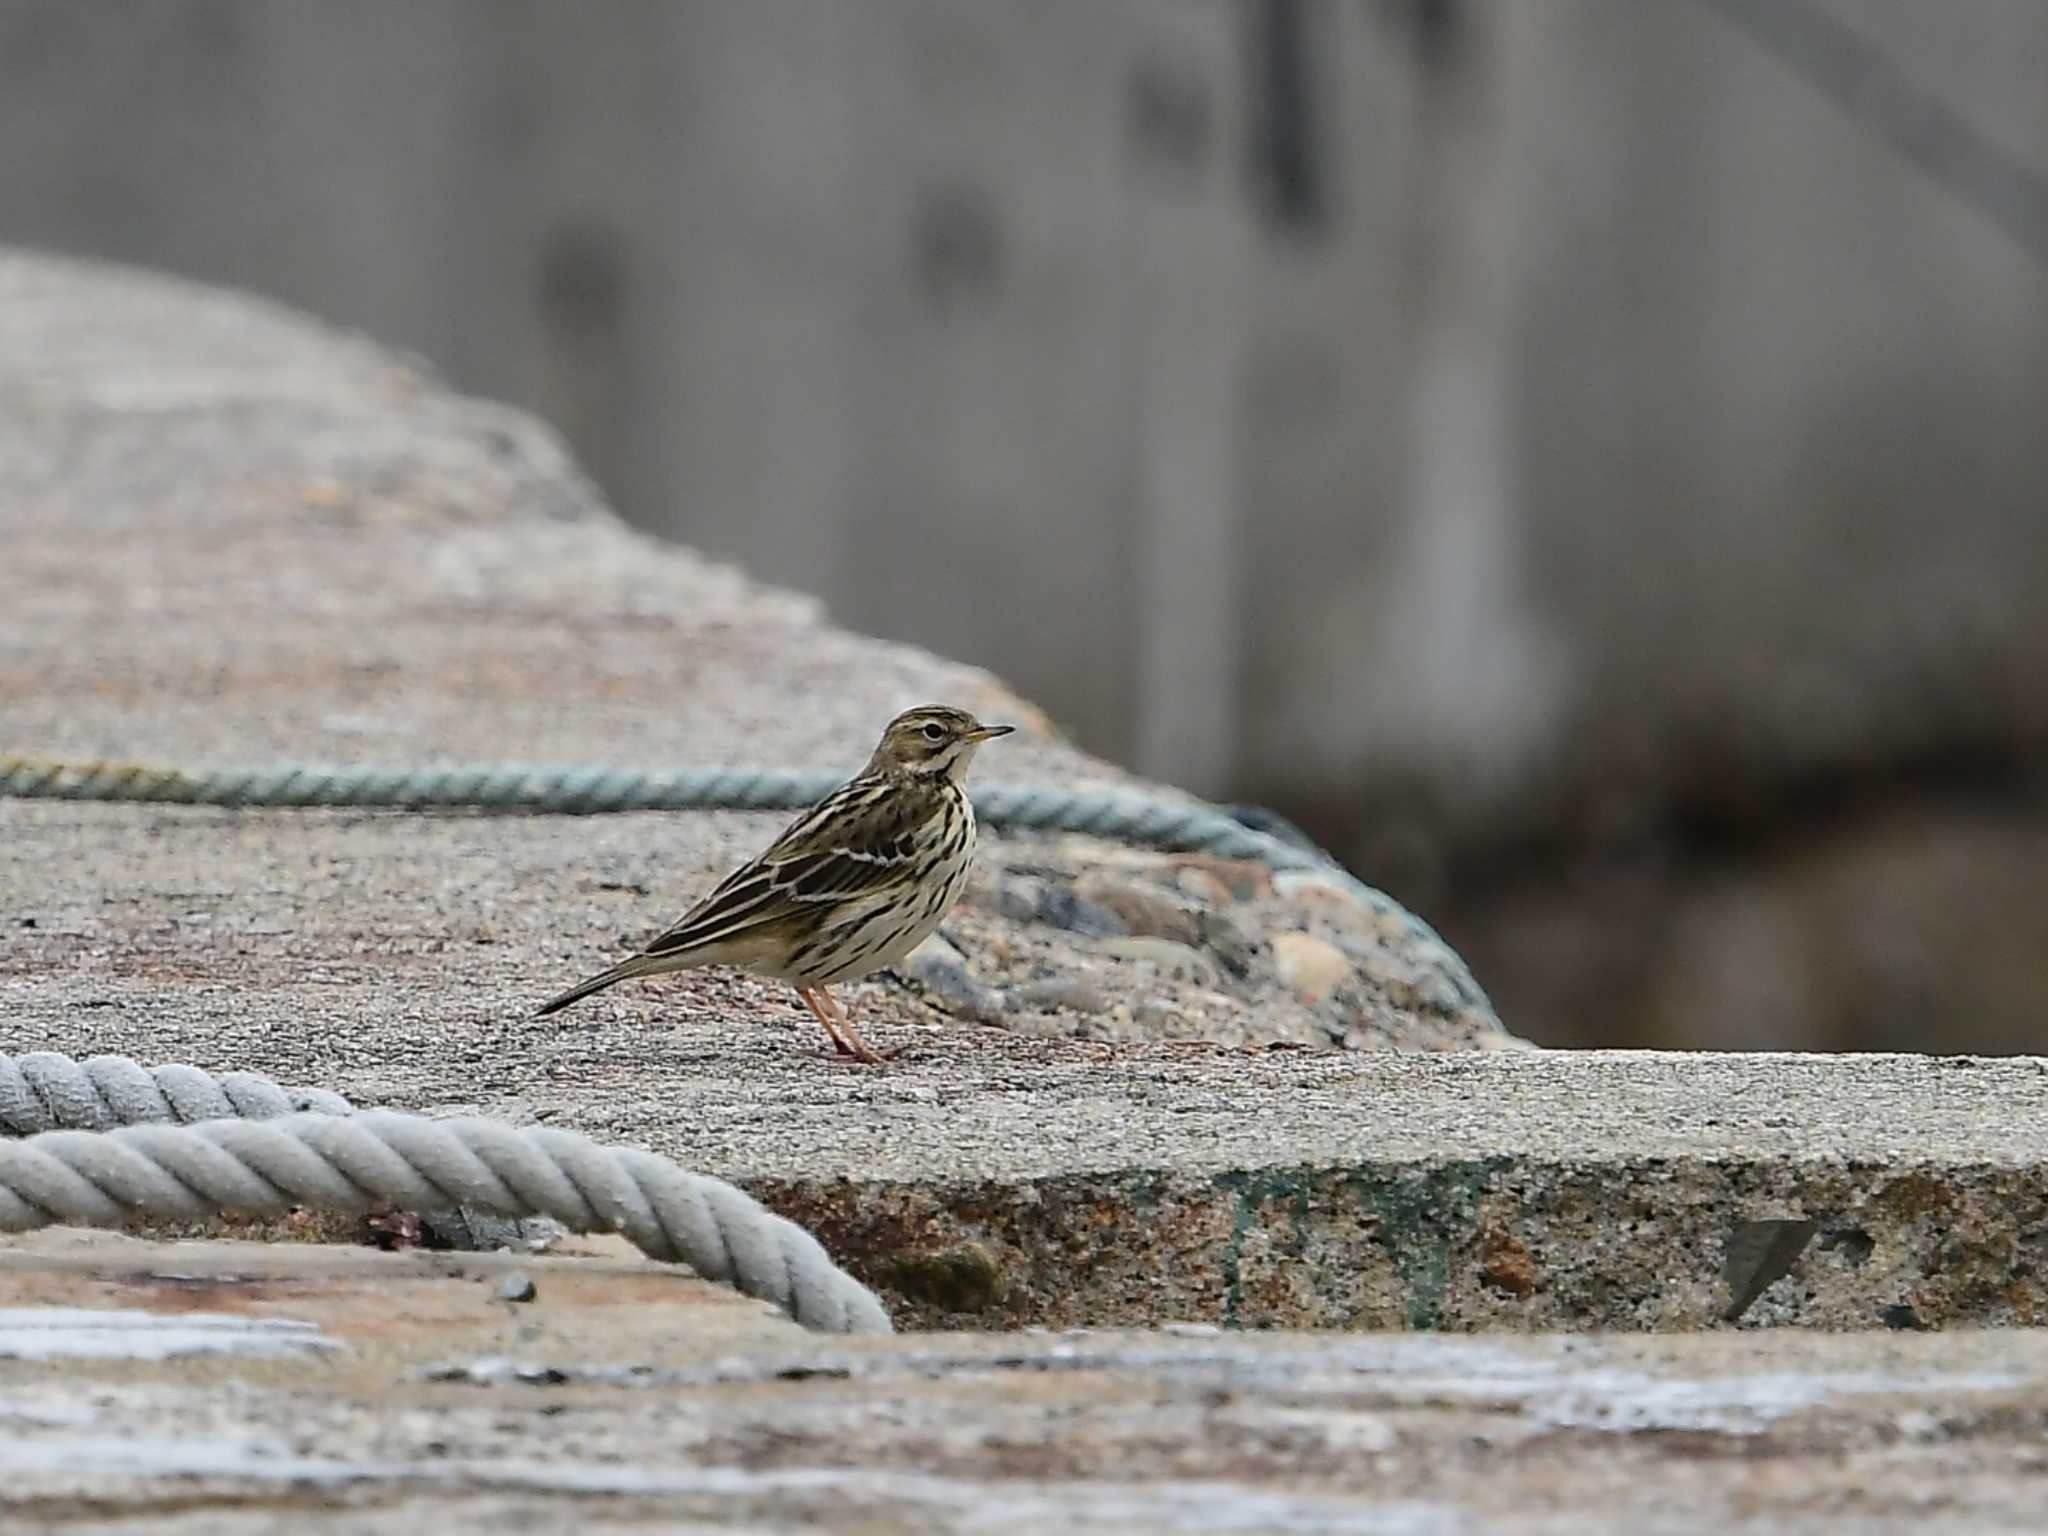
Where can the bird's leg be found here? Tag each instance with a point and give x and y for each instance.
(858, 1048)
(810, 997)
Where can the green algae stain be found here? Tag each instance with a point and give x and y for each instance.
(1249, 1194)
(1143, 1192)
(1417, 1218)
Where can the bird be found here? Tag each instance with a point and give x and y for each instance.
(852, 885)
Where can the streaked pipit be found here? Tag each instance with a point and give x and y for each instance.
(856, 883)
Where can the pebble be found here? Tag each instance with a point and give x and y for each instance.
(1159, 1017)
(1031, 901)
(1147, 913)
(517, 1286)
(1179, 961)
(1309, 967)
(1059, 994)
(1294, 884)
(1231, 942)
(1244, 879)
(935, 948)
(938, 968)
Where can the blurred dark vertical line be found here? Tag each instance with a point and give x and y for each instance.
(580, 298)
(1287, 145)
(1451, 131)
(1438, 29)
(1839, 63)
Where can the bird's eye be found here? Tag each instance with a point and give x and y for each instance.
(933, 731)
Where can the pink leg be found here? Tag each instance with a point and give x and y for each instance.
(810, 995)
(858, 1048)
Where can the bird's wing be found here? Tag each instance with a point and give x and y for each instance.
(858, 841)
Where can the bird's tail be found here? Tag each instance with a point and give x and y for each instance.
(639, 965)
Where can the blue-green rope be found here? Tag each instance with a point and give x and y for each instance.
(1106, 811)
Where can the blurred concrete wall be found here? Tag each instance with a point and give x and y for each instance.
(931, 308)
(1550, 446)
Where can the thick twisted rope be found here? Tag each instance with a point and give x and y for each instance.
(1124, 815)
(350, 1163)
(720, 1232)
(48, 1091)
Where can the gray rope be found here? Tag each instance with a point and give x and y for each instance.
(349, 1163)
(1124, 815)
(47, 1091)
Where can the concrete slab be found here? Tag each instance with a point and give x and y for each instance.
(620, 1399)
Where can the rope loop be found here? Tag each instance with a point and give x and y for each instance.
(107, 1138)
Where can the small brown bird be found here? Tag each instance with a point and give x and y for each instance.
(856, 883)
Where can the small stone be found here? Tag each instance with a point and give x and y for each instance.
(1313, 886)
(517, 1286)
(1244, 879)
(391, 1229)
(471, 1231)
(1179, 962)
(1232, 942)
(1506, 1264)
(1060, 906)
(1063, 907)
(1158, 1017)
(1059, 994)
(1309, 967)
(936, 948)
(935, 967)
(1147, 913)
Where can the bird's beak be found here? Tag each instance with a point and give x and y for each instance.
(987, 732)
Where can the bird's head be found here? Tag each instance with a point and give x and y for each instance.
(932, 741)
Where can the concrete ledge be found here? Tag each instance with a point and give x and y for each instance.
(1600, 1190)
(986, 1182)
